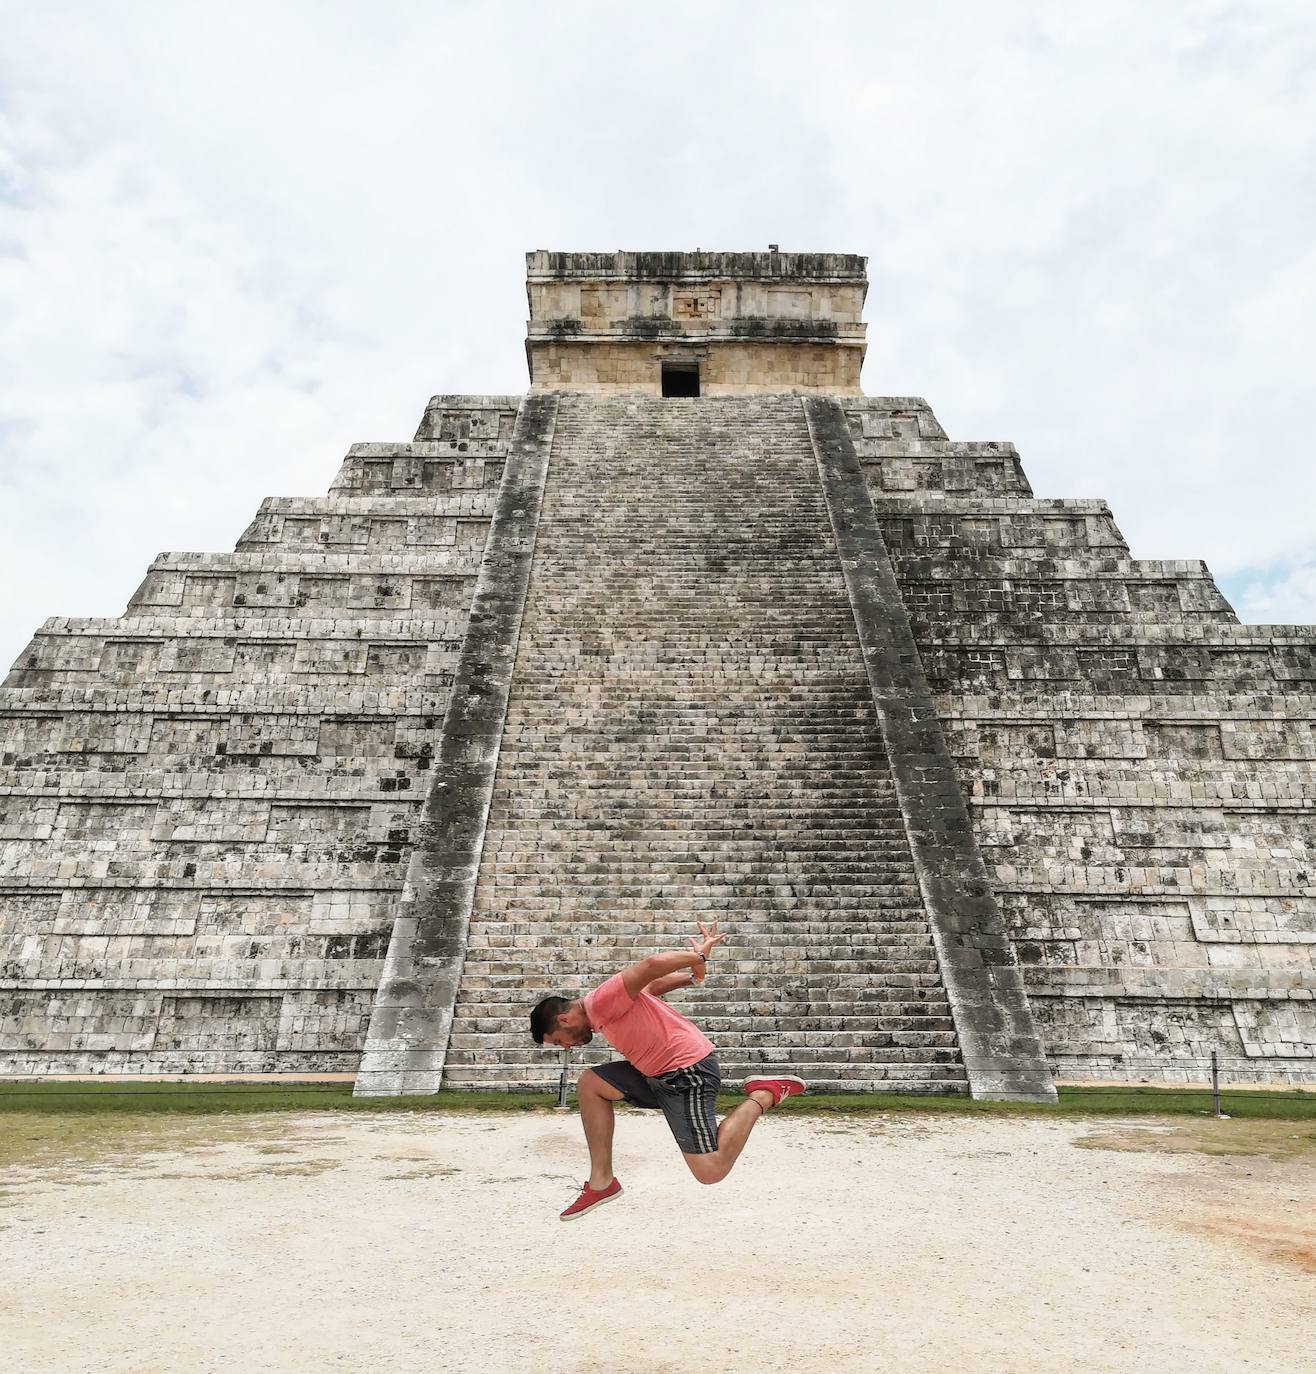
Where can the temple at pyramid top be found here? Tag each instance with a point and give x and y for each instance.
(696, 324)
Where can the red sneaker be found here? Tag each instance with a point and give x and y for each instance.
(782, 1087)
(589, 1200)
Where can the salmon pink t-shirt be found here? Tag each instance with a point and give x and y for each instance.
(645, 1031)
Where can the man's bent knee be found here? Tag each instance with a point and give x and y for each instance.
(705, 1168)
(590, 1084)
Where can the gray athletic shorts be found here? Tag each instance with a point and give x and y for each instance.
(686, 1097)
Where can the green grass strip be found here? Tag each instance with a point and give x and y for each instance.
(110, 1097)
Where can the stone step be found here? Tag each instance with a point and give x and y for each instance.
(509, 974)
(731, 837)
(897, 902)
(912, 1002)
(813, 811)
(727, 1029)
(684, 765)
(914, 1058)
(838, 1071)
(593, 871)
(699, 815)
(639, 743)
(595, 854)
(668, 710)
(822, 1079)
(720, 898)
(690, 905)
(620, 942)
(696, 784)
(812, 962)
(742, 767)
(893, 1047)
(862, 982)
(744, 891)
(886, 873)
(618, 937)
(611, 827)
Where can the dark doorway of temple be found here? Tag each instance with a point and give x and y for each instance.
(680, 379)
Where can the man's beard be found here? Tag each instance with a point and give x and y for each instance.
(584, 1037)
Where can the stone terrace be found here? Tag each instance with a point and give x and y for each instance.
(206, 804)
(1139, 764)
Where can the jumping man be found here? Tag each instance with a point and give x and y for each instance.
(669, 1064)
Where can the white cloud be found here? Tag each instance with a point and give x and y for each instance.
(235, 239)
(1287, 597)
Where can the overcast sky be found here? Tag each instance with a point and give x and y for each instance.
(236, 238)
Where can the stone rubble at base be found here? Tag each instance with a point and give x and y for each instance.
(209, 806)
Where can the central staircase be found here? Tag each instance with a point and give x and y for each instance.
(691, 734)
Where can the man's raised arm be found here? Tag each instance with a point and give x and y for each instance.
(638, 976)
(669, 969)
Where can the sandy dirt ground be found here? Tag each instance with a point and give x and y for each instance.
(408, 1243)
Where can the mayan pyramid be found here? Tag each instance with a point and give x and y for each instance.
(691, 629)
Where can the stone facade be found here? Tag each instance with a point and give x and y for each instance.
(733, 369)
(518, 699)
(208, 802)
(749, 323)
(1139, 766)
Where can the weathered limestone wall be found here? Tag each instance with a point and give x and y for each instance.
(754, 322)
(1139, 766)
(726, 370)
(695, 292)
(207, 804)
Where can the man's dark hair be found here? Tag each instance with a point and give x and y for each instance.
(545, 1015)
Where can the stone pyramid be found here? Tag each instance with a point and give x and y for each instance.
(691, 629)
